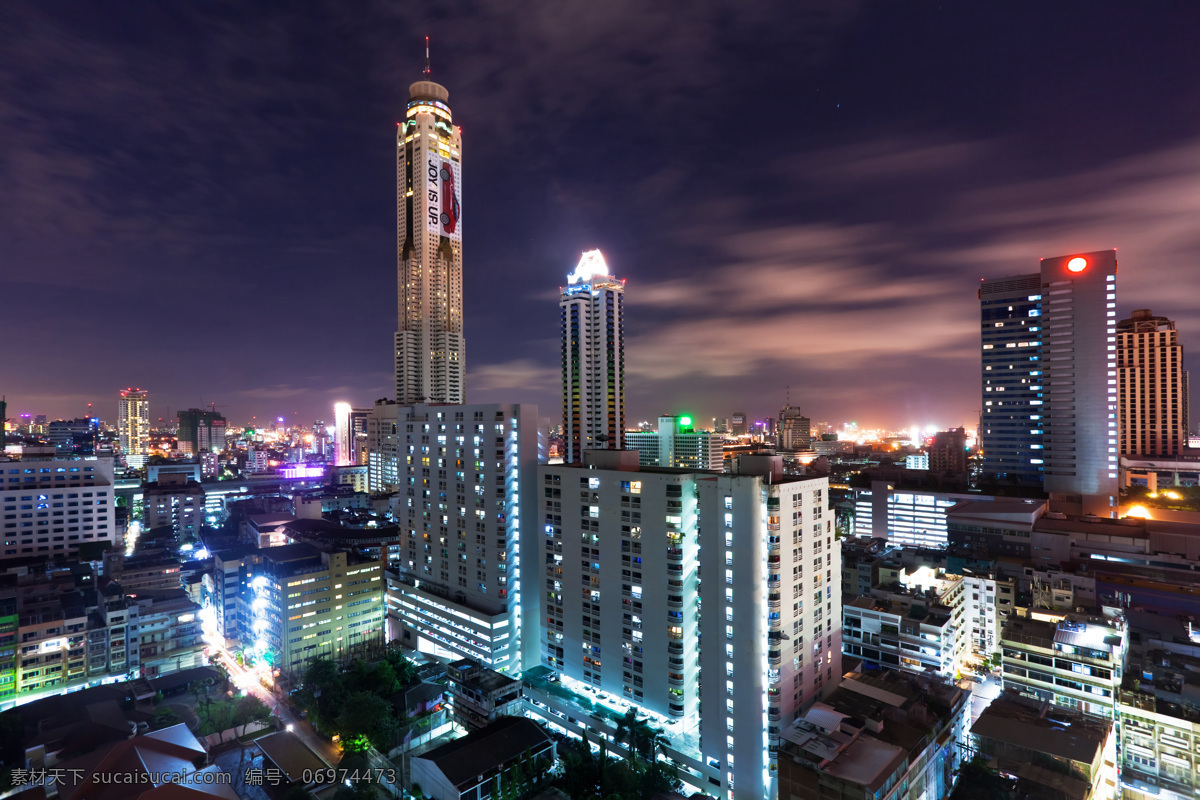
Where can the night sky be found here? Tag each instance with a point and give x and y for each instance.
(199, 198)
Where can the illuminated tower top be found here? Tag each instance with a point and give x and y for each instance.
(429, 344)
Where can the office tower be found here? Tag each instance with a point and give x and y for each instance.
(343, 441)
(1010, 431)
(3, 424)
(737, 423)
(133, 423)
(301, 603)
(948, 453)
(56, 505)
(770, 586)
(1050, 380)
(74, 437)
(461, 475)
(1079, 362)
(1153, 396)
(677, 444)
(350, 434)
(795, 431)
(593, 358)
(200, 431)
(430, 349)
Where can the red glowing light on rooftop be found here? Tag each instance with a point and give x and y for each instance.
(1077, 264)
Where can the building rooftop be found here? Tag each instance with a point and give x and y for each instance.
(288, 752)
(1049, 729)
(464, 760)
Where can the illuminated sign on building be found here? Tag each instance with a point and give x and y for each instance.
(443, 209)
(302, 471)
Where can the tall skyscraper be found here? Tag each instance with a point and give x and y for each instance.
(133, 423)
(430, 349)
(1079, 358)
(1153, 396)
(1050, 380)
(1010, 429)
(593, 358)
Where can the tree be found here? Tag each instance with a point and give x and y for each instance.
(250, 709)
(366, 719)
(642, 739)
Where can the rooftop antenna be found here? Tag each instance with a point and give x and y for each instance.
(426, 58)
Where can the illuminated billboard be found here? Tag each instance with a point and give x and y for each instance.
(443, 196)
(302, 471)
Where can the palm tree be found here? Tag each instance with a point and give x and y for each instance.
(642, 739)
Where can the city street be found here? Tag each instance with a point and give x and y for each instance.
(327, 751)
(983, 692)
(248, 681)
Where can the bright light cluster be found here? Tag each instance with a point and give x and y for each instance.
(591, 265)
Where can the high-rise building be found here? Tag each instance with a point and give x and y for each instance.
(795, 431)
(430, 349)
(1153, 396)
(737, 424)
(461, 474)
(1011, 430)
(754, 549)
(1079, 300)
(74, 437)
(1050, 380)
(948, 453)
(593, 359)
(350, 434)
(69, 502)
(677, 444)
(201, 431)
(133, 423)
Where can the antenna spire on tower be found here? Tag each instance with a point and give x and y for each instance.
(426, 58)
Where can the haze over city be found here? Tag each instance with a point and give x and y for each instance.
(200, 199)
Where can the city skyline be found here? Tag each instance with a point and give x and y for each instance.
(863, 203)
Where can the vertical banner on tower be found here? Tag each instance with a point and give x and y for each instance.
(443, 206)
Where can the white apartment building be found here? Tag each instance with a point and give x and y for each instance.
(593, 358)
(52, 506)
(770, 586)
(634, 638)
(677, 444)
(913, 630)
(460, 471)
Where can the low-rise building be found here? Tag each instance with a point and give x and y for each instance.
(1159, 709)
(480, 695)
(481, 763)
(1053, 752)
(882, 735)
(1072, 660)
